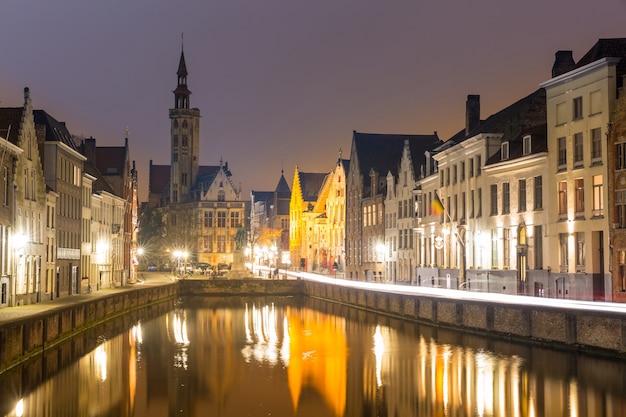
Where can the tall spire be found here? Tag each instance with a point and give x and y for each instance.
(181, 94)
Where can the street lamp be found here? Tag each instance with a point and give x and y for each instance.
(179, 254)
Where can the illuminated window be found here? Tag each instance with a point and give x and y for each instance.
(208, 219)
(221, 219)
(234, 219)
(598, 190)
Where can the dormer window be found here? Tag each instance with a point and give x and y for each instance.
(504, 148)
(526, 148)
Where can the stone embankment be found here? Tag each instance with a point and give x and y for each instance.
(28, 336)
(597, 332)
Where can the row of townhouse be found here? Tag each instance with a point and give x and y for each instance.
(531, 200)
(67, 217)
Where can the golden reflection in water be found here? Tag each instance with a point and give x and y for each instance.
(347, 362)
(318, 357)
(379, 351)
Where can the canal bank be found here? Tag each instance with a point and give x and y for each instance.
(595, 332)
(28, 331)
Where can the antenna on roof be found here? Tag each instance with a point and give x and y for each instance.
(182, 41)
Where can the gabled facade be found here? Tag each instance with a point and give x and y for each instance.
(372, 158)
(29, 188)
(10, 154)
(208, 226)
(303, 242)
(335, 206)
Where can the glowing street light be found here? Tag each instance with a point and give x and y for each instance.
(180, 254)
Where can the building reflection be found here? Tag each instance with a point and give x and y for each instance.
(261, 357)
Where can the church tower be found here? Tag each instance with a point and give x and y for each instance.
(185, 139)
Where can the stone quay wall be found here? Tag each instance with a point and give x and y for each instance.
(596, 332)
(28, 337)
(249, 286)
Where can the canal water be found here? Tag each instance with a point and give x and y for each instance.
(283, 356)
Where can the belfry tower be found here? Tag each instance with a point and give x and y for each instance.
(185, 139)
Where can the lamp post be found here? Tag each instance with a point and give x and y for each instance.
(179, 254)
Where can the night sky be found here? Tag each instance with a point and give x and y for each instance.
(281, 83)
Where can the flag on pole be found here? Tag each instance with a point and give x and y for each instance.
(436, 206)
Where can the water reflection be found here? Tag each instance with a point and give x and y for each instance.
(290, 357)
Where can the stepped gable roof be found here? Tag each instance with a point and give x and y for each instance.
(10, 122)
(55, 131)
(607, 48)
(538, 144)
(159, 178)
(100, 184)
(310, 185)
(382, 152)
(527, 112)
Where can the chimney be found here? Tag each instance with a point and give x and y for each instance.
(472, 113)
(563, 62)
(89, 149)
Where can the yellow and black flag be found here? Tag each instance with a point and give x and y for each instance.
(436, 206)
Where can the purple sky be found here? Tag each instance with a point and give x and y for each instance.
(281, 83)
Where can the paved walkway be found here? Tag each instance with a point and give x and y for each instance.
(9, 314)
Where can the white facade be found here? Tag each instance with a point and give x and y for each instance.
(579, 107)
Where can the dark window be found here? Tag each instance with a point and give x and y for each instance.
(538, 194)
(521, 199)
(578, 108)
(494, 200)
(506, 198)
